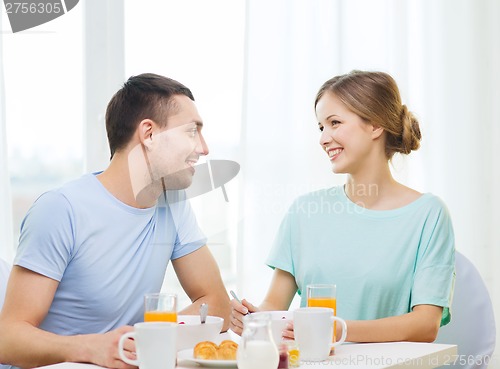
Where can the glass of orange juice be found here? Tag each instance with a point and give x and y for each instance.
(160, 307)
(323, 295)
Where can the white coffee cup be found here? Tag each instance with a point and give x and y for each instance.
(155, 345)
(313, 330)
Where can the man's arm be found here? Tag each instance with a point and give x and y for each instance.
(200, 278)
(22, 343)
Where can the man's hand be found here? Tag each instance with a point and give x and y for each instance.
(103, 348)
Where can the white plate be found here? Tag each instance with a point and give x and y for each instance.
(188, 355)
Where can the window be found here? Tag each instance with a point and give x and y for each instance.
(43, 107)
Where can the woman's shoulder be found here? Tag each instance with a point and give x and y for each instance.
(407, 196)
(432, 200)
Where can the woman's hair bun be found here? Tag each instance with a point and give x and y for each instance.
(410, 136)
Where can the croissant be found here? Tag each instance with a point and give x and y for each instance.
(208, 350)
(228, 343)
(205, 350)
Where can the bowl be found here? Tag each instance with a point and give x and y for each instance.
(190, 331)
(279, 320)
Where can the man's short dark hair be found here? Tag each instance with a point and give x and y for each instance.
(146, 96)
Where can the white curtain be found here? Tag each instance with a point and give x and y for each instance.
(445, 56)
(286, 42)
(6, 241)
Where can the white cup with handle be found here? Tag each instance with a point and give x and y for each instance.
(313, 330)
(155, 345)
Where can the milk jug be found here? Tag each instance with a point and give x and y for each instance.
(257, 349)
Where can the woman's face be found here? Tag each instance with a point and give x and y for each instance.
(346, 138)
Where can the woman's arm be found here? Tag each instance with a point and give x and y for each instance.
(420, 325)
(281, 291)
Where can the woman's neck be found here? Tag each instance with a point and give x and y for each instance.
(378, 190)
(371, 188)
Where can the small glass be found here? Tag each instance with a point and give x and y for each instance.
(160, 307)
(283, 351)
(293, 353)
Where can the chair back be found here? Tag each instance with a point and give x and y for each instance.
(472, 326)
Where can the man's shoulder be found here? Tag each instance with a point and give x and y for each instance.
(67, 193)
(80, 183)
(77, 188)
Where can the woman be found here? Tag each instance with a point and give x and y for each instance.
(387, 247)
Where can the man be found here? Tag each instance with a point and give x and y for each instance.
(91, 249)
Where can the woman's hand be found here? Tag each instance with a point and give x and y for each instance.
(288, 334)
(238, 311)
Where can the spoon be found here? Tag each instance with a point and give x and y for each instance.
(237, 298)
(203, 312)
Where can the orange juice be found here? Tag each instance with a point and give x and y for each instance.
(327, 302)
(160, 316)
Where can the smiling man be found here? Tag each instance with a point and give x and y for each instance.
(91, 249)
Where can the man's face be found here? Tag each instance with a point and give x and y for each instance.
(175, 149)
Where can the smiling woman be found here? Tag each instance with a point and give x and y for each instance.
(390, 251)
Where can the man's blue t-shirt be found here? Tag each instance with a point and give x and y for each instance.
(384, 262)
(105, 254)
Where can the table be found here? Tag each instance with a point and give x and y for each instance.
(393, 355)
